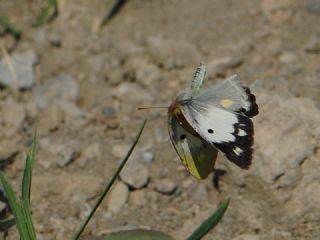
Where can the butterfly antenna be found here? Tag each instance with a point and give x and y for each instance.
(144, 108)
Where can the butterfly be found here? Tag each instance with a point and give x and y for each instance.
(202, 122)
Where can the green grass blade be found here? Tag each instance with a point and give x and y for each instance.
(25, 209)
(15, 208)
(136, 234)
(8, 26)
(27, 175)
(210, 222)
(47, 13)
(6, 224)
(113, 7)
(110, 183)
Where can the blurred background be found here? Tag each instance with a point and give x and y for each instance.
(78, 76)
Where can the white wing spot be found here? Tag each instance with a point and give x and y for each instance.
(237, 151)
(241, 133)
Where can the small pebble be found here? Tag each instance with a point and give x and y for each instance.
(118, 197)
(165, 186)
(135, 174)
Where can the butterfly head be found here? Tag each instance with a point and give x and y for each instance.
(175, 110)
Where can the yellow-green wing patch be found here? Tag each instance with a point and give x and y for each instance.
(198, 156)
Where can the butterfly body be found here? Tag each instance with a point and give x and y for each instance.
(201, 122)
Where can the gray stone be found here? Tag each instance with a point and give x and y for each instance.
(62, 87)
(148, 74)
(119, 150)
(313, 6)
(304, 204)
(13, 114)
(21, 76)
(161, 135)
(135, 174)
(145, 154)
(291, 177)
(58, 155)
(89, 154)
(287, 57)
(201, 192)
(218, 67)
(71, 110)
(118, 197)
(313, 45)
(108, 111)
(165, 186)
(133, 93)
(287, 131)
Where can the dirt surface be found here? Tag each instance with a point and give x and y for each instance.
(87, 83)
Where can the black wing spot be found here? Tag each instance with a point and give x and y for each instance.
(183, 136)
(210, 131)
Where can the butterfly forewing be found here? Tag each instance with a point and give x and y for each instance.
(195, 153)
(221, 116)
(231, 133)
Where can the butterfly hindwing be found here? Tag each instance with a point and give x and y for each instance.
(196, 154)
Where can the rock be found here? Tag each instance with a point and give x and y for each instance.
(286, 133)
(247, 237)
(313, 45)
(13, 115)
(70, 189)
(118, 197)
(133, 93)
(148, 75)
(144, 155)
(120, 150)
(50, 119)
(71, 110)
(303, 205)
(201, 192)
(278, 11)
(22, 65)
(287, 57)
(165, 186)
(313, 7)
(138, 198)
(58, 154)
(135, 174)
(290, 178)
(219, 66)
(108, 111)
(161, 135)
(62, 87)
(89, 154)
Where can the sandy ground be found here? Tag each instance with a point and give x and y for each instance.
(86, 84)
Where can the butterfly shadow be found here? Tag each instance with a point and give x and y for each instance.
(217, 174)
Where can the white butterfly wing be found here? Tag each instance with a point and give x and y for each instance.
(230, 95)
(196, 154)
(229, 132)
(221, 116)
